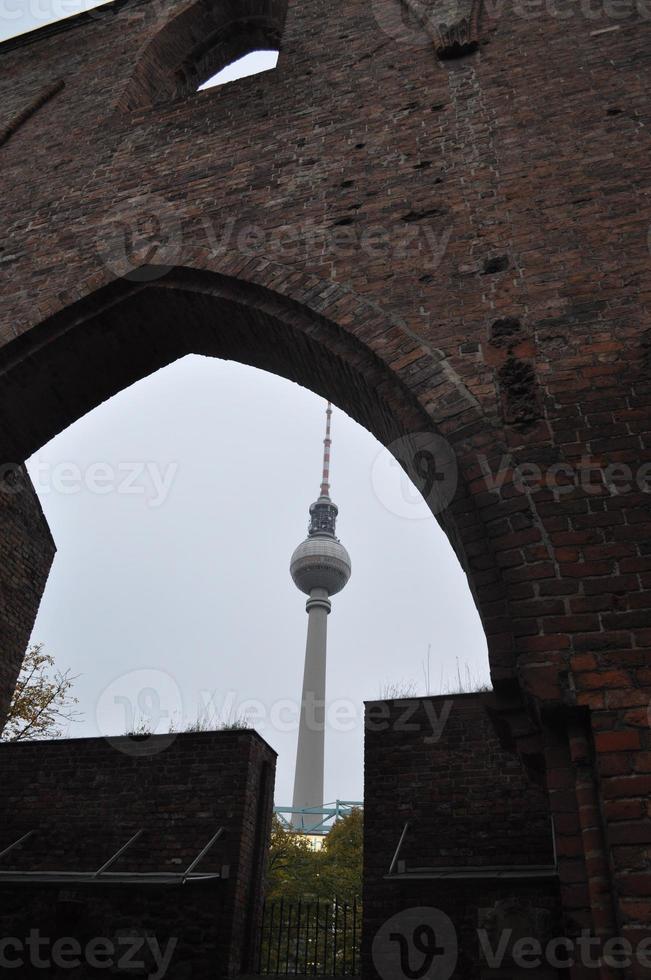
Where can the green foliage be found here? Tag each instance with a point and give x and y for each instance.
(293, 865)
(342, 857)
(297, 870)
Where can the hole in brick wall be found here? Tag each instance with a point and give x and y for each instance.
(503, 330)
(518, 382)
(456, 50)
(646, 349)
(498, 264)
(413, 216)
(253, 63)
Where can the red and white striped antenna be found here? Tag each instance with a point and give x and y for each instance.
(327, 443)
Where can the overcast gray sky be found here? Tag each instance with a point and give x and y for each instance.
(176, 507)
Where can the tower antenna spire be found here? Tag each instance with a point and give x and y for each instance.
(327, 443)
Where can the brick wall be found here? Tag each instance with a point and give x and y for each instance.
(437, 765)
(85, 798)
(473, 262)
(26, 554)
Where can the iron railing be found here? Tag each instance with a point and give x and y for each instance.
(303, 938)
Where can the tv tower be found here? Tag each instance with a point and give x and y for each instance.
(320, 567)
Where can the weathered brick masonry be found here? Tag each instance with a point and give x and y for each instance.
(444, 244)
(26, 553)
(437, 766)
(85, 798)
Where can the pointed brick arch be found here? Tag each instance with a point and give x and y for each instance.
(115, 331)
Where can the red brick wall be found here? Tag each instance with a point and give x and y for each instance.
(504, 304)
(85, 798)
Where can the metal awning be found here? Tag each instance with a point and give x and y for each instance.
(507, 871)
(118, 878)
(398, 870)
(105, 877)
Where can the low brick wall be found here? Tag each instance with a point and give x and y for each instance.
(437, 764)
(85, 798)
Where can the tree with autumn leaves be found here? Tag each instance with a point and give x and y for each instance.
(42, 705)
(296, 870)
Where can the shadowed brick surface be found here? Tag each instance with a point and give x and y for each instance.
(437, 764)
(26, 554)
(85, 798)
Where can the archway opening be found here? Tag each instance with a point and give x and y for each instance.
(176, 505)
(126, 332)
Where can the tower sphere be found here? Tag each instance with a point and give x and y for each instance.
(320, 562)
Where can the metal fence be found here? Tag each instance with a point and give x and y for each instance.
(318, 939)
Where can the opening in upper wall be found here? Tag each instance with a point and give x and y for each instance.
(205, 39)
(253, 63)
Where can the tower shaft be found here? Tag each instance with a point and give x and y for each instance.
(308, 781)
